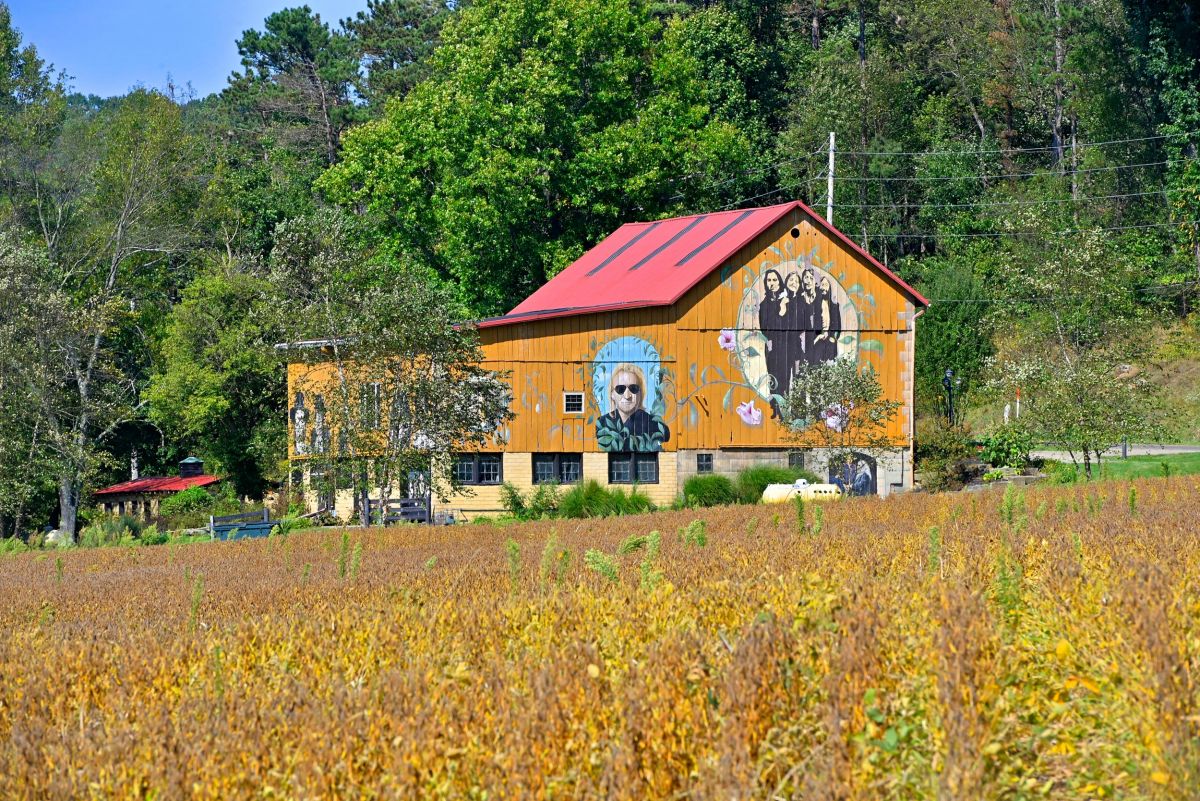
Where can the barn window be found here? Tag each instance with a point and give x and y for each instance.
(561, 468)
(633, 468)
(704, 462)
(796, 459)
(573, 402)
(478, 468)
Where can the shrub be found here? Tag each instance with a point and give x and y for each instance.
(709, 490)
(107, 531)
(941, 451)
(13, 545)
(590, 499)
(1007, 446)
(753, 480)
(542, 502)
(188, 501)
(512, 500)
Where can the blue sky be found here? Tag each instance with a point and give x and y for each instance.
(110, 46)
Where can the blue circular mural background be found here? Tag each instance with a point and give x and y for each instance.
(628, 350)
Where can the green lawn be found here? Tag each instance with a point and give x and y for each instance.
(1145, 466)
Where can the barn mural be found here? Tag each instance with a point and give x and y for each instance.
(627, 387)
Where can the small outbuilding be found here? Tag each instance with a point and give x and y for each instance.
(140, 497)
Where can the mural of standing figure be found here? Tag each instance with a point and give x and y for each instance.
(812, 323)
(320, 435)
(830, 314)
(773, 320)
(628, 426)
(300, 426)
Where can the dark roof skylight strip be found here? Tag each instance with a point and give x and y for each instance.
(670, 241)
(715, 237)
(622, 249)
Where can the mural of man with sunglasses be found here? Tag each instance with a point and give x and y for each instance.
(628, 426)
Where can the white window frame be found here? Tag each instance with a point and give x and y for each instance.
(568, 410)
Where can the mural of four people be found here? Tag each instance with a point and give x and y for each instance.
(801, 321)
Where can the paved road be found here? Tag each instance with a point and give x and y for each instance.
(1134, 450)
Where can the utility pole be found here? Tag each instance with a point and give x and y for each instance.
(829, 187)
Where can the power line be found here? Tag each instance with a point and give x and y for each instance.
(979, 204)
(754, 197)
(1045, 149)
(1034, 233)
(754, 171)
(1109, 168)
(998, 299)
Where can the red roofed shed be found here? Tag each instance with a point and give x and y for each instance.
(140, 497)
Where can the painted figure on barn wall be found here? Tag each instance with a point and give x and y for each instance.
(626, 381)
(791, 316)
(300, 426)
(855, 476)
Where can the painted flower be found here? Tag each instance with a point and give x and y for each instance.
(727, 340)
(750, 415)
(837, 416)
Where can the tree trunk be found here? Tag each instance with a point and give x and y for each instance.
(1056, 117)
(68, 505)
(1087, 462)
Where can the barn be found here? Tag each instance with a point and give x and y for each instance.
(661, 353)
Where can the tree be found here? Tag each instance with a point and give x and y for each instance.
(1084, 402)
(109, 203)
(405, 389)
(394, 39)
(841, 407)
(27, 465)
(542, 126)
(218, 387)
(302, 73)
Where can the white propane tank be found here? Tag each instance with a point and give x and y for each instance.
(781, 493)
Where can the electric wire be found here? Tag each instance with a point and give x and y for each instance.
(1047, 148)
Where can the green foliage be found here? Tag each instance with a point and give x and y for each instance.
(753, 480)
(695, 534)
(1007, 446)
(512, 551)
(188, 501)
(632, 544)
(818, 520)
(543, 126)
(935, 551)
(801, 518)
(601, 563)
(841, 405)
(343, 556)
(649, 575)
(940, 451)
(513, 501)
(709, 490)
(218, 387)
(591, 499)
(11, 545)
(108, 531)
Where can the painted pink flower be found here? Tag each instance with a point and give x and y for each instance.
(727, 340)
(837, 416)
(750, 415)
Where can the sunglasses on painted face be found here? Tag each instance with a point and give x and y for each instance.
(633, 389)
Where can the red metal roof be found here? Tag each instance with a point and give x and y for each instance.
(158, 484)
(655, 263)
